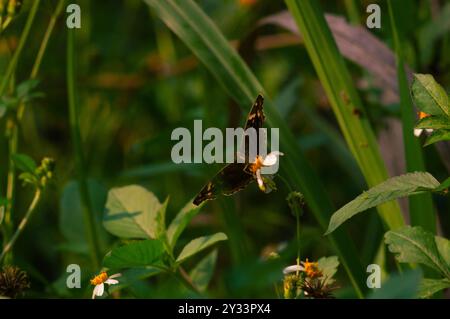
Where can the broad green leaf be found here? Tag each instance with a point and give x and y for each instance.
(24, 163)
(203, 271)
(131, 212)
(403, 286)
(137, 254)
(443, 246)
(328, 266)
(393, 188)
(71, 223)
(133, 275)
(434, 122)
(415, 245)
(428, 287)
(199, 244)
(429, 96)
(180, 222)
(438, 136)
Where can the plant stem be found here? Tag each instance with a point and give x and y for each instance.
(23, 223)
(13, 130)
(297, 215)
(23, 38)
(89, 218)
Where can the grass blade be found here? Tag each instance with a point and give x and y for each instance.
(420, 207)
(344, 99)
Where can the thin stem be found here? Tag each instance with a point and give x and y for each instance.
(23, 223)
(89, 219)
(23, 38)
(14, 124)
(297, 215)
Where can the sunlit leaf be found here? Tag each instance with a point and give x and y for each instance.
(199, 244)
(180, 222)
(415, 245)
(393, 188)
(328, 266)
(429, 96)
(131, 212)
(429, 287)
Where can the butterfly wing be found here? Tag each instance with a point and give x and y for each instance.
(235, 176)
(255, 119)
(231, 179)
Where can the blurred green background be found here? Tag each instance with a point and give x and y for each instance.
(137, 82)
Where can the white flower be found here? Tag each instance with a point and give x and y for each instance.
(100, 280)
(260, 162)
(419, 131)
(293, 268)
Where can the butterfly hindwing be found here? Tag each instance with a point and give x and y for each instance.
(235, 176)
(231, 179)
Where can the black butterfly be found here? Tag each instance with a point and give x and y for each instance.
(235, 176)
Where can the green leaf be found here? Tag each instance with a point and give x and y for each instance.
(328, 266)
(437, 136)
(180, 222)
(161, 220)
(24, 163)
(199, 244)
(393, 188)
(444, 185)
(415, 245)
(2, 213)
(403, 286)
(202, 273)
(429, 96)
(25, 88)
(131, 212)
(428, 287)
(71, 223)
(138, 254)
(133, 275)
(443, 246)
(434, 122)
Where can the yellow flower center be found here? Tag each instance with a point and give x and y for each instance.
(257, 164)
(423, 115)
(312, 269)
(99, 279)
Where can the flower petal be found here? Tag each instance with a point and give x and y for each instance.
(293, 268)
(259, 180)
(110, 281)
(98, 290)
(115, 275)
(271, 158)
(418, 132)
